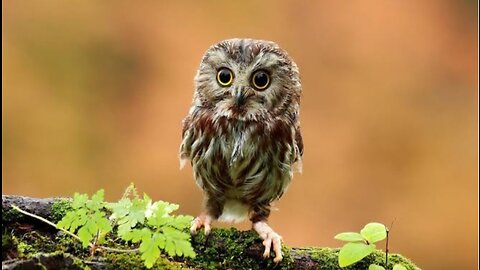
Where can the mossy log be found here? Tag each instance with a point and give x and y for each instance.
(28, 243)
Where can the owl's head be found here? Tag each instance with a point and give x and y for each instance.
(247, 79)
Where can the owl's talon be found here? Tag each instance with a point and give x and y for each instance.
(204, 221)
(270, 238)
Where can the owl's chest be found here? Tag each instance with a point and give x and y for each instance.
(236, 144)
(241, 156)
(240, 148)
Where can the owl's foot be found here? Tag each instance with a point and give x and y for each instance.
(204, 220)
(270, 238)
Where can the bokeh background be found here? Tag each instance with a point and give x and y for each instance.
(94, 93)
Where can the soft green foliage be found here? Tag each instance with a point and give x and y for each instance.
(399, 267)
(136, 220)
(86, 218)
(360, 245)
(349, 237)
(374, 232)
(157, 229)
(375, 267)
(354, 252)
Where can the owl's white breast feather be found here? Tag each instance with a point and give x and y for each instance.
(234, 211)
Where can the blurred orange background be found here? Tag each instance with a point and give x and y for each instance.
(94, 94)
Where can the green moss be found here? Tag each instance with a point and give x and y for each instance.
(10, 215)
(9, 245)
(133, 261)
(33, 242)
(59, 208)
(233, 249)
(24, 249)
(327, 259)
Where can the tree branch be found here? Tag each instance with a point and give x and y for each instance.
(222, 249)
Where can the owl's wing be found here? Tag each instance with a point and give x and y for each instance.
(297, 161)
(185, 146)
(299, 142)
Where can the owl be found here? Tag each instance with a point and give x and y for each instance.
(242, 134)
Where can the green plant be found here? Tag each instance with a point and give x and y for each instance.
(360, 245)
(150, 225)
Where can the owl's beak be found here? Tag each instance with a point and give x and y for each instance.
(240, 97)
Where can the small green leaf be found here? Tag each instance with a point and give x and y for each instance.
(375, 267)
(175, 234)
(85, 236)
(165, 208)
(123, 230)
(184, 248)
(150, 252)
(374, 232)
(170, 247)
(104, 225)
(181, 222)
(399, 267)
(96, 203)
(351, 253)
(137, 212)
(150, 248)
(79, 200)
(80, 219)
(120, 208)
(137, 235)
(349, 237)
(66, 221)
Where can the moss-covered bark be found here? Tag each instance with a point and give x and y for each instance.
(30, 244)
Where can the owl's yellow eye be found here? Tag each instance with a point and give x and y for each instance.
(260, 80)
(224, 77)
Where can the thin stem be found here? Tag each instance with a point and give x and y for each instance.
(386, 243)
(386, 248)
(117, 250)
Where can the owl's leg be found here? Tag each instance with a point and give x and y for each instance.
(213, 209)
(269, 236)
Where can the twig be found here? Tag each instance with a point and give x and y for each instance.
(386, 247)
(117, 250)
(386, 243)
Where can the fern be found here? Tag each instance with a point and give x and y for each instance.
(151, 224)
(135, 220)
(86, 219)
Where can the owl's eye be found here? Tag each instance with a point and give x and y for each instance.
(260, 80)
(224, 77)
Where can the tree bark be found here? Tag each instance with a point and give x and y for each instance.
(28, 243)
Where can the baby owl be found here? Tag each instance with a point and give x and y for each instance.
(242, 133)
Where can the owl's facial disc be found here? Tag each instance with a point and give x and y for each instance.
(247, 79)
